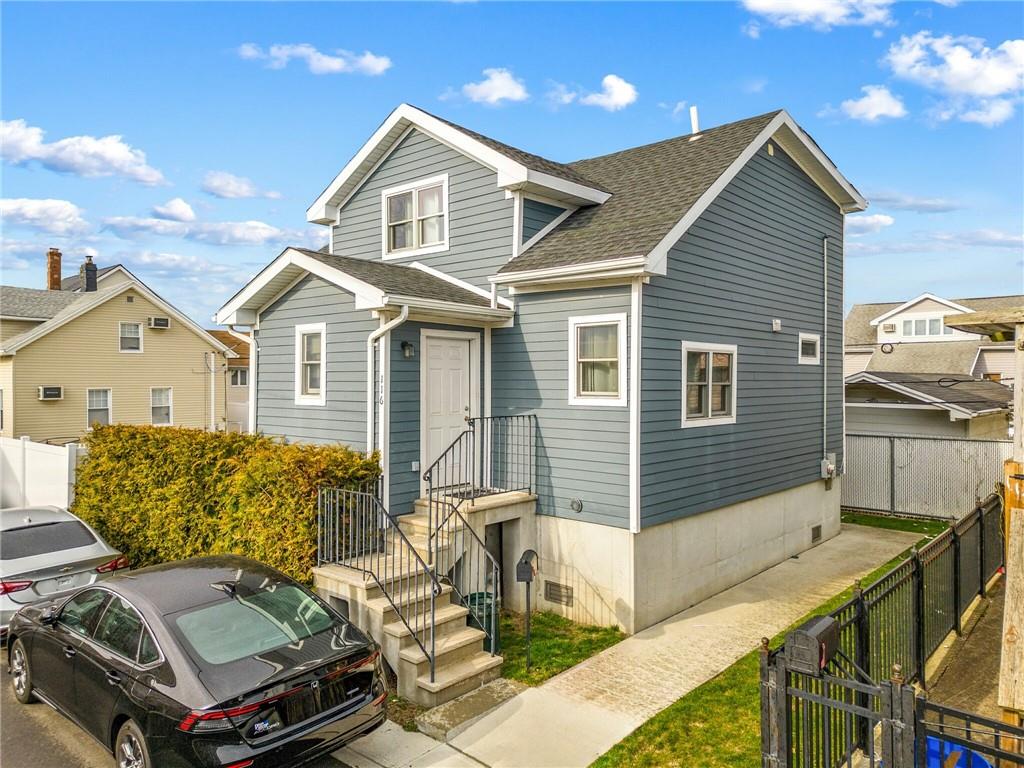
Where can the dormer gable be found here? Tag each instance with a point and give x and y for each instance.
(920, 320)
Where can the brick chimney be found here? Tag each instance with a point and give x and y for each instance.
(53, 269)
(88, 275)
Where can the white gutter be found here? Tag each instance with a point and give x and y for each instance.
(370, 340)
(253, 352)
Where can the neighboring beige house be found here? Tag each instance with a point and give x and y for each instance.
(907, 372)
(236, 385)
(103, 350)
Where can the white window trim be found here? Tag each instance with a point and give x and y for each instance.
(170, 409)
(708, 421)
(619, 400)
(300, 330)
(110, 405)
(816, 338)
(442, 179)
(238, 370)
(141, 334)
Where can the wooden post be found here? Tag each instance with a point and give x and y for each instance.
(1011, 670)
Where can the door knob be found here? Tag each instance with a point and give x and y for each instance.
(112, 677)
(69, 651)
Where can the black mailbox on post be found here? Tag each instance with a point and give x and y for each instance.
(524, 569)
(812, 645)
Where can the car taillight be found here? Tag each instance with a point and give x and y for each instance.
(201, 721)
(116, 564)
(6, 587)
(243, 764)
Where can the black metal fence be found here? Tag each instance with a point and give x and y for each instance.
(897, 622)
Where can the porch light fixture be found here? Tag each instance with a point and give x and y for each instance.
(408, 350)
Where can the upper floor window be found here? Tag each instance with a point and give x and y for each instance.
(597, 360)
(926, 326)
(709, 384)
(416, 217)
(130, 337)
(239, 377)
(310, 362)
(809, 352)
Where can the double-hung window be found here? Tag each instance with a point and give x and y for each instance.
(130, 337)
(97, 407)
(709, 384)
(926, 326)
(310, 364)
(239, 377)
(160, 403)
(597, 360)
(416, 218)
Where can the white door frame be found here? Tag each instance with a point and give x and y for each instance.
(473, 337)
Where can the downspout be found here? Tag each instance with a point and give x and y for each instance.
(370, 340)
(253, 351)
(824, 349)
(213, 391)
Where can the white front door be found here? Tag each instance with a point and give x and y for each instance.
(448, 397)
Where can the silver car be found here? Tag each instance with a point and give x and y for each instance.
(46, 552)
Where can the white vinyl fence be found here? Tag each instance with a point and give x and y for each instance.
(926, 476)
(37, 474)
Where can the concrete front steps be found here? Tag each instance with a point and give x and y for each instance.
(461, 663)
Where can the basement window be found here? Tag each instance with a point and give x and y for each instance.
(709, 384)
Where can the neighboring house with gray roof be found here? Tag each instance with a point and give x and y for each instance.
(912, 338)
(113, 351)
(663, 314)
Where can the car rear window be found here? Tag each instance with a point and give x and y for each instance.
(246, 625)
(44, 538)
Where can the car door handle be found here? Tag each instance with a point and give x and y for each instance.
(113, 678)
(69, 651)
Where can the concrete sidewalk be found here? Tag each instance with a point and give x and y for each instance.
(577, 716)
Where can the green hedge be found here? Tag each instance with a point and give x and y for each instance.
(159, 493)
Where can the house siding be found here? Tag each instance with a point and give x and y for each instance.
(343, 418)
(582, 451)
(753, 256)
(996, 361)
(480, 216)
(867, 420)
(537, 215)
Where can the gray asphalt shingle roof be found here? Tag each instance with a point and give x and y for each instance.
(652, 187)
(399, 279)
(74, 282)
(859, 331)
(34, 302)
(973, 395)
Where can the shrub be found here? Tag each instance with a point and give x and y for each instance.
(160, 493)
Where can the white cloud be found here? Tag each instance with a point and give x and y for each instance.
(239, 233)
(904, 202)
(560, 95)
(867, 223)
(87, 156)
(615, 94)
(988, 112)
(134, 226)
(498, 85)
(172, 264)
(214, 232)
(751, 29)
(227, 185)
(339, 61)
(822, 14)
(942, 242)
(876, 103)
(175, 209)
(23, 254)
(58, 217)
(756, 85)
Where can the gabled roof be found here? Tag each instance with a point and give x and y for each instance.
(74, 282)
(235, 344)
(33, 303)
(954, 392)
(375, 284)
(858, 329)
(917, 300)
(659, 190)
(77, 304)
(515, 168)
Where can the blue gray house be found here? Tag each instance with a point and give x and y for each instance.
(632, 363)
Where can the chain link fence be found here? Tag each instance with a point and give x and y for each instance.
(925, 476)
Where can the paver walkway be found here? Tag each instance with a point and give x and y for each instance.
(577, 716)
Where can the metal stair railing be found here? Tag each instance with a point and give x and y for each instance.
(355, 530)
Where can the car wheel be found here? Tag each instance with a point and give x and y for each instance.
(21, 675)
(130, 749)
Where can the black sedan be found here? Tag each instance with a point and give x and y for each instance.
(215, 661)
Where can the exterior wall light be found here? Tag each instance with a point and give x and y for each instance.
(408, 350)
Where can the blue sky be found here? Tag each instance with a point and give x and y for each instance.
(233, 117)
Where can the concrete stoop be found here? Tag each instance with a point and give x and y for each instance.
(461, 663)
(448, 720)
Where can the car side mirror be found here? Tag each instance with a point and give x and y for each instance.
(49, 617)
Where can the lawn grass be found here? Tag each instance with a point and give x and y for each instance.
(718, 724)
(557, 644)
(926, 527)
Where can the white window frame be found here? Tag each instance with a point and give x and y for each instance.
(232, 375)
(598, 400)
(709, 421)
(414, 187)
(807, 360)
(110, 405)
(119, 337)
(170, 406)
(300, 331)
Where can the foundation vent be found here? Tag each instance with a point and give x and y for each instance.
(815, 534)
(558, 593)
